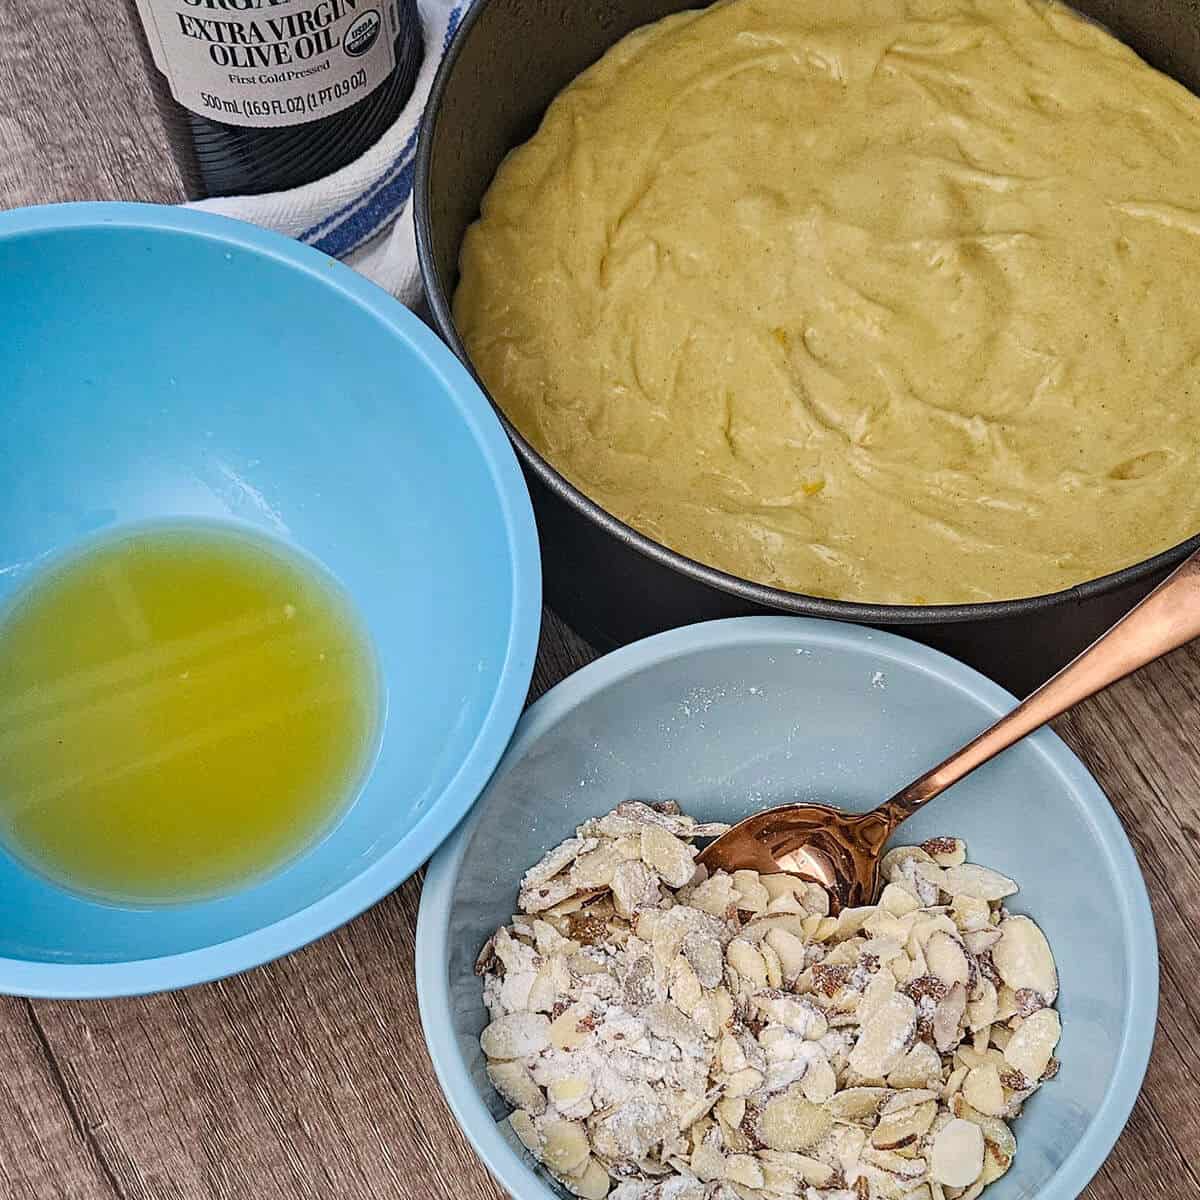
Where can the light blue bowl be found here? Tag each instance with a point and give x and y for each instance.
(735, 715)
(158, 363)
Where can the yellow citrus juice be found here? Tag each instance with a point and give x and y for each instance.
(182, 710)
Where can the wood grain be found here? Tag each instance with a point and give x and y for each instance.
(309, 1077)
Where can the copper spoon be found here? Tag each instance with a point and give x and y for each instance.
(841, 851)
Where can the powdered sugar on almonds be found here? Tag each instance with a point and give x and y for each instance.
(665, 1035)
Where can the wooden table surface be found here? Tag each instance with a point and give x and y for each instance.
(309, 1077)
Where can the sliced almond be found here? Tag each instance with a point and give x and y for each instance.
(555, 860)
(517, 1035)
(790, 1122)
(667, 1022)
(730, 1056)
(705, 1016)
(885, 1037)
(780, 1044)
(1006, 1002)
(848, 922)
(902, 969)
(920, 1066)
(794, 1013)
(714, 895)
(882, 924)
(523, 1126)
(732, 1110)
(685, 988)
(758, 928)
(557, 896)
(778, 884)
(1032, 1044)
(516, 989)
(515, 1083)
(592, 1183)
(565, 1146)
(897, 1165)
(906, 1099)
(820, 929)
(898, 902)
(664, 853)
(946, 851)
(982, 1012)
(1023, 959)
(983, 1090)
(754, 1033)
(707, 1162)
(999, 1146)
(898, 1130)
(878, 952)
(970, 913)
(878, 992)
(932, 874)
(956, 1156)
(858, 1103)
(946, 958)
(783, 1167)
(552, 981)
(741, 1168)
(596, 867)
(844, 953)
(705, 958)
(748, 962)
(814, 899)
(954, 1082)
(774, 966)
(571, 1028)
(979, 882)
(979, 941)
(572, 1096)
(633, 884)
(947, 1018)
(743, 1082)
(819, 1082)
(1028, 1002)
(895, 859)
(694, 1117)
(752, 897)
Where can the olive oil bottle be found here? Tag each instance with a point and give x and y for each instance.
(263, 95)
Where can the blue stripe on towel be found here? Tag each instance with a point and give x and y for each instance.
(365, 223)
(362, 217)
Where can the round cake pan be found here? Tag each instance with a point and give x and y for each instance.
(509, 59)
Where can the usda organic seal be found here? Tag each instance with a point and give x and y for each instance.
(361, 36)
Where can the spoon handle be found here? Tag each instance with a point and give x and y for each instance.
(1164, 620)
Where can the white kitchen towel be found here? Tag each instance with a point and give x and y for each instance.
(362, 214)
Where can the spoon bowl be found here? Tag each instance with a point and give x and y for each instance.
(838, 850)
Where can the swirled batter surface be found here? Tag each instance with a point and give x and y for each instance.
(884, 300)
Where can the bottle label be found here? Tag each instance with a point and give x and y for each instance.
(267, 63)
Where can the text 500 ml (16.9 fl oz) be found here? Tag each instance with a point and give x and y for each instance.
(263, 95)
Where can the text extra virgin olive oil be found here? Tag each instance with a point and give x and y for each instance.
(263, 95)
(183, 709)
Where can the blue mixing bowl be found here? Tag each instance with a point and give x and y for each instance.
(731, 716)
(161, 363)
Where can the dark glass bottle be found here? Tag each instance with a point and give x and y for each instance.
(262, 95)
